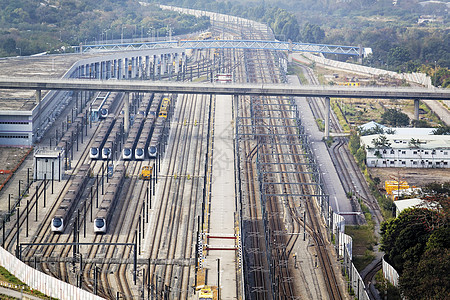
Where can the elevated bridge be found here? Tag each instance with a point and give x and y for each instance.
(230, 89)
(225, 89)
(227, 44)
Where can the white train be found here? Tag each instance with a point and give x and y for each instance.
(156, 137)
(112, 142)
(100, 139)
(108, 203)
(64, 212)
(147, 129)
(133, 136)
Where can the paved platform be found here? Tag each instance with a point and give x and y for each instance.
(333, 187)
(222, 203)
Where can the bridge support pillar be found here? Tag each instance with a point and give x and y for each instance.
(126, 115)
(327, 117)
(38, 96)
(416, 109)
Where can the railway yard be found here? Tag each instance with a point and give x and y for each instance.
(193, 191)
(107, 228)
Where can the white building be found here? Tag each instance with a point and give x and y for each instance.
(428, 151)
(401, 205)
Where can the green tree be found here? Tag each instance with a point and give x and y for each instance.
(354, 142)
(430, 277)
(9, 45)
(377, 129)
(394, 117)
(360, 156)
(442, 130)
(381, 142)
(404, 238)
(420, 124)
(311, 33)
(414, 143)
(398, 56)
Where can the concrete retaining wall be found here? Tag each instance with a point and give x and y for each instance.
(42, 282)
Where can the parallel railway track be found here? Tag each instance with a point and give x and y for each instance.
(281, 246)
(170, 268)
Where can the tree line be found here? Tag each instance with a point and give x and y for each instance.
(417, 245)
(398, 43)
(29, 27)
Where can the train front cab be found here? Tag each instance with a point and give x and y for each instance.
(106, 153)
(139, 153)
(100, 225)
(152, 151)
(94, 153)
(58, 225)
(103, 113)
(163, 114)
(127, 154)
(206, 293)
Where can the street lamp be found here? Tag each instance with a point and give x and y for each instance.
(106, 35)
(20, 51)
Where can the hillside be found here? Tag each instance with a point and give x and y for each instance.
(28, 27)
(390, 27)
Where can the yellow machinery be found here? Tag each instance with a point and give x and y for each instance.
(393, 185)
(146, 172)
(205, 36)
(163, 113)
(164, 107)
(349, 83)
(165, 102)
(206, 293)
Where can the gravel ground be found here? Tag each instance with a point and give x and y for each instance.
(416, 177)
(9, 159)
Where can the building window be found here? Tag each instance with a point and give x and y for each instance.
(438, 163)
(414, 152)
(13, 136)
(392, 162)
(445, 163)
(445, 153)
(15, 123)
(414, 162)
(372, 162)
(384, 151)
(392, 152)
(403, 162)
(430, 163)
(403, 152)
(426, 152)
